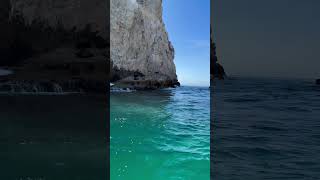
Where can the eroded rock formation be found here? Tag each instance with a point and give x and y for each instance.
(141, 53)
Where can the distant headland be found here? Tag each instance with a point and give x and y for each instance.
(216, 69)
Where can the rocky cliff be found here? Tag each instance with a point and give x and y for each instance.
(50, 43)
(68, 13)
(216, 69)
(141, 53)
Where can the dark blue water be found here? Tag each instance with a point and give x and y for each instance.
(265, 129)
(53, 137)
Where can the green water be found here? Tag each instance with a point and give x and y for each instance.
(160, 135)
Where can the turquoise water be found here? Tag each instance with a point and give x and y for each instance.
(162, 134)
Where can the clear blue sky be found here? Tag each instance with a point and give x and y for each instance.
(188, 25)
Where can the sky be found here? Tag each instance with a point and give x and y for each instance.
(188, 26)
(268, 38)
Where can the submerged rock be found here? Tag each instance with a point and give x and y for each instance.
(318, 81)
(141, 53)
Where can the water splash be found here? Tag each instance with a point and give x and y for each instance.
(43, 87)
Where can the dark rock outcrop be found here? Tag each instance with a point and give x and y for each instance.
(59, 42)
(216, 69)
(318, 81)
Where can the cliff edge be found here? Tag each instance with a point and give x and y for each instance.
(141, 53)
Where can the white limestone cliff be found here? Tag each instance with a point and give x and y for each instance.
(139, 42)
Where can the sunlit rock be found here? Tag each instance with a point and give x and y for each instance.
(141, 53)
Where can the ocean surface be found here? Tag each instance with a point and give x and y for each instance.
(44, 137)
(265, 129)
(160, 135)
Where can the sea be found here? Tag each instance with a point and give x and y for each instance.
(160, 134)
(261, 128)
(49, 137)
(265, 128)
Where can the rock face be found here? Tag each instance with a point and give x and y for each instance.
(68, 13)
(216, 69)
(52, 43)
(141, 53)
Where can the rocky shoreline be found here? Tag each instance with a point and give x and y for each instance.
(57, 73)
(145, 84)
(136, 80)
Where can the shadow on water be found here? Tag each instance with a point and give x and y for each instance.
(53, 137)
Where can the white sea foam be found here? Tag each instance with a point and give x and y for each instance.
(5, 72)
